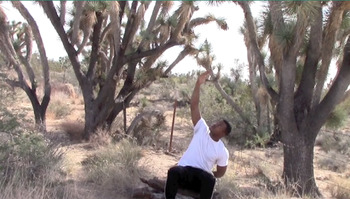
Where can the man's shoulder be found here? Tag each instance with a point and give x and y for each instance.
(201, 121)
(201, 125)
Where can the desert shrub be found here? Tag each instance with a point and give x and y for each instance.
(337, 118)
(114, 166)
(334, 141)
(60, 109)
(146, 127)
(258, 140)
(333, 161)
(28, 156)
(144, 102)
(30, 167)
(58, 105)
(8, 121)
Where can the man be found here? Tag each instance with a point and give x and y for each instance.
(194, 170)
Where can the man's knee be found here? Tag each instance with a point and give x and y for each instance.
(208, 179)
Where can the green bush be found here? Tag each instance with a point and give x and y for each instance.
(8, 121)
(258, 140)
(337, 118)
(27, 157)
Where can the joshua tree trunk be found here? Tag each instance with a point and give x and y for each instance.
(298, 170)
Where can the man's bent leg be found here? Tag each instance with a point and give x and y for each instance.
(175, 174)
(207, 185)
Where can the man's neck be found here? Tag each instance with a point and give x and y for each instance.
(214, 138)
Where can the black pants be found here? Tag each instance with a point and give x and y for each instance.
(189, 178)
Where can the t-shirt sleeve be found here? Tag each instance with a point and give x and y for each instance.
(201, 126)
(223, 160)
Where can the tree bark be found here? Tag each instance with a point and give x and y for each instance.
(298, 170)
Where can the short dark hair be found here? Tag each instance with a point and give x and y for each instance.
(228, 127)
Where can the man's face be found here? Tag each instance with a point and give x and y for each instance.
(218, 128)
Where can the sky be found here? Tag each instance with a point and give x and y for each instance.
(227, 46)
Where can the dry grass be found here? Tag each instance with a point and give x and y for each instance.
(74, 129)
(101, 138)
(340, 189)
(115, 166)
(227, 186)
(40, 190)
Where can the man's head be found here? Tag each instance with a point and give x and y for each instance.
(220, 128)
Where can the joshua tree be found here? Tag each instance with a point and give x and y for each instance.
(16, 47)
(301, 47)
(122, 54)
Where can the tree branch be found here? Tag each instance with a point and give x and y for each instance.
(40, 44)
(331, 32)
(186, 51)
(303, 96)
(128, 29)
(76, 21)
(50, 11)
(321, 112)
(257, 54)
(95, 44)
(162, 48)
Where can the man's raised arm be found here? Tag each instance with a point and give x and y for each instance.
(195, 112)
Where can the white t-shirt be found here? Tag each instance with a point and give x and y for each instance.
(203, 152)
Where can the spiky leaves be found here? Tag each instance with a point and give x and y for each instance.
(183, 14)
